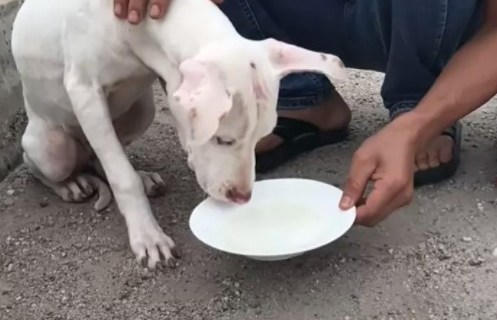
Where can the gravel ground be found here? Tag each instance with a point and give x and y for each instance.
(435, 259)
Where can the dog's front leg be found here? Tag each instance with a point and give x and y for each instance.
(147, 239)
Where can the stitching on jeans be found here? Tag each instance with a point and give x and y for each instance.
(249, 13)
(442, 29)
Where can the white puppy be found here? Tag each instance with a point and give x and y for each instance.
(87, 88)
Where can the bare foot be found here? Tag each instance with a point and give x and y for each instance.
(333, 113)
(438, 152)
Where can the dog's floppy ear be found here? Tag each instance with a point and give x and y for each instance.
(204, 97)
(287, 58)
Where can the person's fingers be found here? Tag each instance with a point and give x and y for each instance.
(368, 216)
(136, 10)
(158, 8)
(360, 173)
(387, 196)
(121, 8)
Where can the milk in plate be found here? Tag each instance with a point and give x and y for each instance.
(269, 227)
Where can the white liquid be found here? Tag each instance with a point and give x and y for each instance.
(270, 229)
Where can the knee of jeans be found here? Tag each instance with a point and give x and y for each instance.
(303, 90)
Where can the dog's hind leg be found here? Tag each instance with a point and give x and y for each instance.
(129, 127)
(56, 159)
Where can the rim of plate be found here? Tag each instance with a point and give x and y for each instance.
(296, 250)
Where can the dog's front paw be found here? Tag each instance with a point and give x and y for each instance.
(153, 183)
(152, 247)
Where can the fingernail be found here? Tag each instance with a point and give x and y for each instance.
(155, 11)
(346, 202)
(133, 16)
(118, 9)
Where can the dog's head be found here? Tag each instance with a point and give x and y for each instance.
(226, 103)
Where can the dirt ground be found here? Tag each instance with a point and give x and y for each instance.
(435, 259)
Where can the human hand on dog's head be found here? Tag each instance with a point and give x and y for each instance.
(134, 10)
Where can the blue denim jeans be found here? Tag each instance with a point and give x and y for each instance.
(409, 40)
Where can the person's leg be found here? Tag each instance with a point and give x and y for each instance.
(410, 41)
(306, 97)
(425, 34)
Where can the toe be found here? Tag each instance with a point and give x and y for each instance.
(445, 153)
(433, 159)
(85, 185)
(141, 254)
(437, 153)
(77, 193)
(170, 262)
(153, 257)
(175, 252)
(159, 183)
(170, 243)
(157, 179)
(153, 184)
(149, 185)
(422, 161)
(168, 255)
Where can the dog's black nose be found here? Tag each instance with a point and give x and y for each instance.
(237, 196)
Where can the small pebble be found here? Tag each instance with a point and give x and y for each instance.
(480, 206)
(495, 252)
(467, 239)
(10, 192)
(44, 203)
(10, 267)
(476, 262)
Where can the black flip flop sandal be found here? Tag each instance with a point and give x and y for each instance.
(446, 170)
(298, 137)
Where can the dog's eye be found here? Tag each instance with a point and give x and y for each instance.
(224, 141)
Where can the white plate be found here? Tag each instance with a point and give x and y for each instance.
(284, 219)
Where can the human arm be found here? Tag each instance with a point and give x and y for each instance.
(467, 82)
